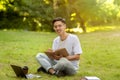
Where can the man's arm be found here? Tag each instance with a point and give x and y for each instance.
(73, 57)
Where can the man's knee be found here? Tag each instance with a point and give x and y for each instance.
(64, 62)
(63, 59)
(39, 55)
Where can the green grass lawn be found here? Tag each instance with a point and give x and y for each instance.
(101, 54)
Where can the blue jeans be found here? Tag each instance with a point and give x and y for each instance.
(62, 65)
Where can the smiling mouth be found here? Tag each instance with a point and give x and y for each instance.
(58, 31)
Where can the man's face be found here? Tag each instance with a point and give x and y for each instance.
(59, 27)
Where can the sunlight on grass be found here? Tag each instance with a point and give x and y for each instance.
(91, 29)
(100, 28)
(75, 30)
(79, 30)
(109, 1)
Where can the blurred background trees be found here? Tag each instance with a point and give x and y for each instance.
(36, 15)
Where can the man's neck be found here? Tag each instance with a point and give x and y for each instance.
(63, 36)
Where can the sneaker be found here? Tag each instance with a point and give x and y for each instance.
(41, 69)
(59, 73)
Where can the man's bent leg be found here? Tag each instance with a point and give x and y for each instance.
(66, 66)
(44, 61)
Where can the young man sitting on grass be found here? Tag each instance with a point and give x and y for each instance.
(58, 65)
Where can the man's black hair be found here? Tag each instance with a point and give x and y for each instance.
(59, 19)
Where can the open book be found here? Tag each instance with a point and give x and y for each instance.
(63, 52)
(90, 78)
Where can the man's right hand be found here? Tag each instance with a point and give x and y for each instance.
(50, 53)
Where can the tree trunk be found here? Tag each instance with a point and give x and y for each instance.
(82, 25)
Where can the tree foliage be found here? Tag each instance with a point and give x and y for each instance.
(36, 15)
(33, 14)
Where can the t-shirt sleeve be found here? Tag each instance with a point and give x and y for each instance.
(77, 46)
(54, 45)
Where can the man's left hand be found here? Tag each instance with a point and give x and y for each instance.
(57, 57)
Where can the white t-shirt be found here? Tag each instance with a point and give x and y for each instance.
(72, 45)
